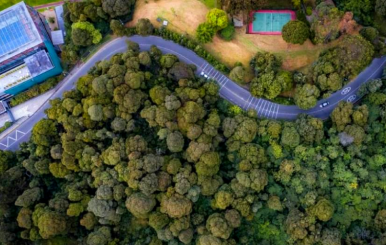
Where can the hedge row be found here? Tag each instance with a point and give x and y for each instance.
(6, 125)
(36, 90)
(188, 43)
(193, 45)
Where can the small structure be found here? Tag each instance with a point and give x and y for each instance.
(165, 23)
(57, 37)
(237, 22)
(269, 22)
(59, 18)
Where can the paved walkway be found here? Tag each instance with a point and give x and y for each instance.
(26, 109)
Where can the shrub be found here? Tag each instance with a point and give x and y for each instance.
(370, 33)
(6, 125)
(296, 32)
(228, 32)
(309, 11)
(51, 20)
(217, 18)
(35, 90)
(117, 28)
(144, 27)
(205, 32)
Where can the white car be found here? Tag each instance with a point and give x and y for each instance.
(204, 75)
(346, 90)
(324, 104)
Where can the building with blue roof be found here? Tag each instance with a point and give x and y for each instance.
(27, 55)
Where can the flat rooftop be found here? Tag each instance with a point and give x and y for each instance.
(14, 77)
(38, 63)
(33, 66)
(17, 31)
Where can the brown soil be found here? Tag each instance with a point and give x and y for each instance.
(51, 13)
(185, 15)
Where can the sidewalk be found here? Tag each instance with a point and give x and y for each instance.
(27, 108)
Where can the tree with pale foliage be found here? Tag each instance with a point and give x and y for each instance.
(85, 34)
(217, 18)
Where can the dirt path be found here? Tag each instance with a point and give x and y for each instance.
(54, 4)
(185, 15)
(49, 5)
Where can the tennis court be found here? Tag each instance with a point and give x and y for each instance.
(270, 22)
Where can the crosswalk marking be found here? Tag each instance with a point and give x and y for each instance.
(18, 135)
(277, 111)
(269, 113)
(262, 108)
(226, 81)
(250, 102)
(221, 80)
(265, 109)
(246, 102)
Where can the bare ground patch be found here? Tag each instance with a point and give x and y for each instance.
(185, 15)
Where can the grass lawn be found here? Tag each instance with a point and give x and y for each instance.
(211, 3)
(6, 3)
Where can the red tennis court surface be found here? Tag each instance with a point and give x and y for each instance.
(269, 22)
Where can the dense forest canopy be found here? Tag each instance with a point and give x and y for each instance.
(144, 152)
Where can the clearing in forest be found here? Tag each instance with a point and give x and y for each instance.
(185, 15)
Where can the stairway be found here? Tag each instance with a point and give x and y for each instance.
(5, 97)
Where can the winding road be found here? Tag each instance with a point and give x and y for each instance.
(229, 90)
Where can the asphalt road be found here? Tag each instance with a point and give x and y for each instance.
(229, 90)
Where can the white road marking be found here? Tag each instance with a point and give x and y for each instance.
(221, 80)
(266, 109)
(217, 74)
(247, 102)
(269, 113)
(277, 111)
(206, 64)
(209, 71)
(226, 81)
(257, 105)
(285, 113)
(250, 102)
(76, 72)
(258, 110)
(262, 108)
(231, 91)
(9, 138)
